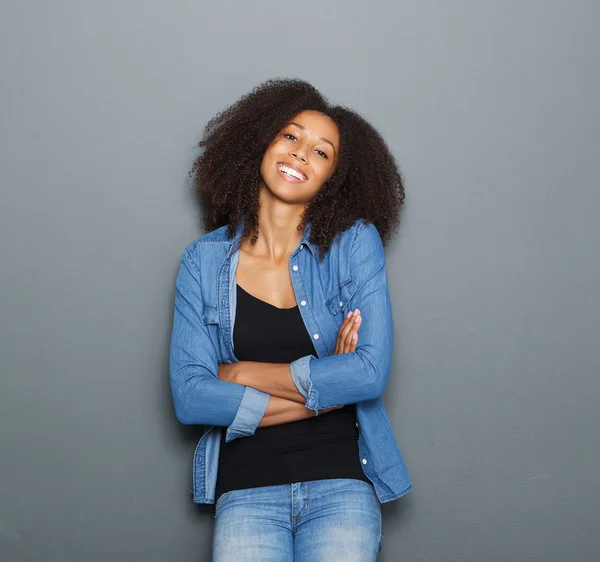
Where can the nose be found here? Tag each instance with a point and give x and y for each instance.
(299, 154)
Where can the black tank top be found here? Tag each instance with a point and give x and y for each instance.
(317, 448)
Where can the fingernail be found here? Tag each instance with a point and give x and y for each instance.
(357, 319)
(353, 336)
(349, 314)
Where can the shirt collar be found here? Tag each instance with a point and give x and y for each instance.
(306, 242)
(235, 242)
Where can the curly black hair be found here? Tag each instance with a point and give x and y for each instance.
(365, 185)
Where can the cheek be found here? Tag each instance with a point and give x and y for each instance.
(272, 154)
(267, 161)
(323, 171)
(276, 147)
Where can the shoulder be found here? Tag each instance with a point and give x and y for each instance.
(366, 236)
(214, 240)
(365, 252)
(360, 240)
(356, 253)
(205, 255)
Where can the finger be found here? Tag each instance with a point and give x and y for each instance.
(338, 341)
(354, 326)
(343, 331)
(354, 343)
(346, 331)
(354, 334)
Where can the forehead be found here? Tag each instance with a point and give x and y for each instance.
(318, 125)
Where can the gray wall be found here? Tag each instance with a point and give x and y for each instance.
(492, 111)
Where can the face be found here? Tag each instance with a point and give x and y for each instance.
(301, 158)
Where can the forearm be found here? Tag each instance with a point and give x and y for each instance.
(272, 378)
(280, 411)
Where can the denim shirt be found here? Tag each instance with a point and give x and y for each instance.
(351, 275)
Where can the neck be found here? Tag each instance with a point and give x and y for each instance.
(278, 234)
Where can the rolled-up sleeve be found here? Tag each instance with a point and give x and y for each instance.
(249, 415)
(301, 374)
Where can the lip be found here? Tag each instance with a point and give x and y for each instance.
(290, 178)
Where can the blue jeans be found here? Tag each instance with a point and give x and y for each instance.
(316, 521)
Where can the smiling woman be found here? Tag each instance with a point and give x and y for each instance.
(301, 155)
(366, 183)
(283, 331)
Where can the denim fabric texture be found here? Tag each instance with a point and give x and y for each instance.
(317, 521)
(351, 275)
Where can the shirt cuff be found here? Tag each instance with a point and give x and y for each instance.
(250, 413)
(300, 371)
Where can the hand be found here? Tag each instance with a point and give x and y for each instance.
(348, 333)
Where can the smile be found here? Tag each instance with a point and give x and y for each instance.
(290, 173)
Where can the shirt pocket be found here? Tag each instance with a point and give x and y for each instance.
(338, 302)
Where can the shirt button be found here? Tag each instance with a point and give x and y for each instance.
(303, 303)
(341, 303)
(364, 461)
(316, 336)
(295, 268)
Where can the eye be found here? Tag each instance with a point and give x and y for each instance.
(321, 154)
(289, 136)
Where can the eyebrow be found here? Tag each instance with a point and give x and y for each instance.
(322, 138)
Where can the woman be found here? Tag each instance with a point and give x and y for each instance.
(282, 336)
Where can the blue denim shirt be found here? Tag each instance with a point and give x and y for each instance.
(351, 275)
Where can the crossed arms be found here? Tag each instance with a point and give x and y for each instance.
(244, 395)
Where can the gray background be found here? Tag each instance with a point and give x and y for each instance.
(492, 111)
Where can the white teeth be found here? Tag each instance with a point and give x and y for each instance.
(291, 172)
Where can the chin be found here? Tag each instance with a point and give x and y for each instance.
(290, 199)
